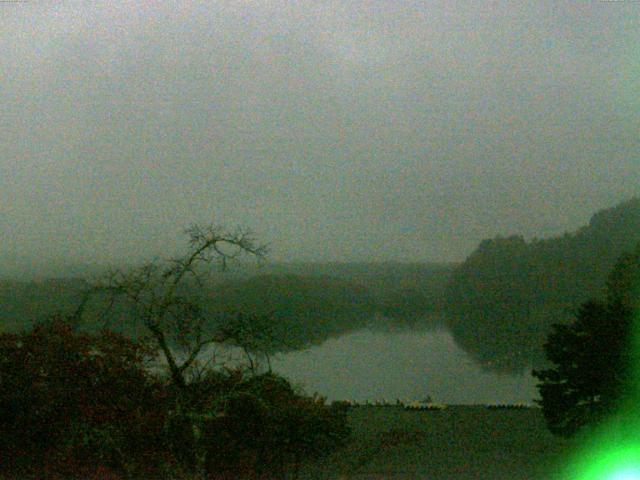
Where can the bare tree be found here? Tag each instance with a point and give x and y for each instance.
(164, 301)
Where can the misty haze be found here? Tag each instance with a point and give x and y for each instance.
(272, 240)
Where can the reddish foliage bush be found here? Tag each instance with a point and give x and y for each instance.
(79, 406)
(267, 430)
(76, 405)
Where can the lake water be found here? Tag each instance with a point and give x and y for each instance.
(373, 365)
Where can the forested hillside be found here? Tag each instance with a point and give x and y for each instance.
(502, 300)
(303, 310)
(307, 302)
(406, 292)
(23, 302)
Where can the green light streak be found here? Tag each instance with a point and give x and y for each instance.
(612, 451)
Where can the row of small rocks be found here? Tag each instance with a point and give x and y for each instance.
(426, 405)
(508, 406)
(407, 405)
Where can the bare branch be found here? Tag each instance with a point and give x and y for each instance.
(152, 290)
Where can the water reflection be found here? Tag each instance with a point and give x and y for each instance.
(370, 365)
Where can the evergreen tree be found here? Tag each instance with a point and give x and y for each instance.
(593, 357)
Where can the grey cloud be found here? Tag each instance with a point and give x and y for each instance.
(342, 131)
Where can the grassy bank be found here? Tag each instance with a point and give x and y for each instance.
(461, 442)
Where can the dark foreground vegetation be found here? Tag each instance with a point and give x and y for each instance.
(595, 359)
(81, 406)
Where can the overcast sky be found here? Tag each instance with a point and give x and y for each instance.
(364, 130)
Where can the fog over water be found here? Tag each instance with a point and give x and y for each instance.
(408, 365)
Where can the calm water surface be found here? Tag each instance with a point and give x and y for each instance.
(370, 365)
